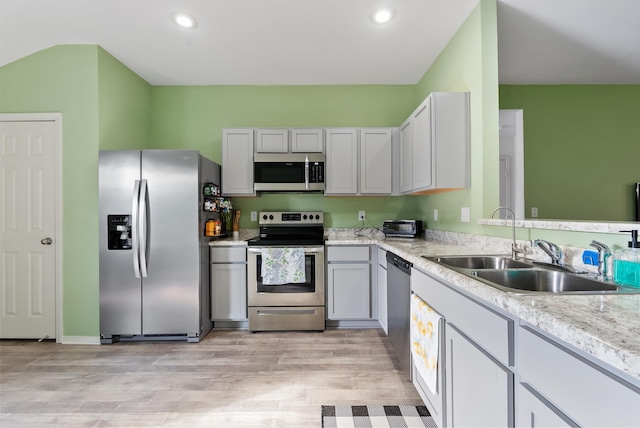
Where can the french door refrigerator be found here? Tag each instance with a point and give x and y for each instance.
(154, 255)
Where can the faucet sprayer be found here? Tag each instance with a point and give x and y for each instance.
(604, 253)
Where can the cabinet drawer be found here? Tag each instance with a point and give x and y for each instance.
(490, 330)
(585, 392)
(347, 254)
(228, 254)
(382, 257)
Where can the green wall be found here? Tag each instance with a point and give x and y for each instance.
(65, 79)
(97, 97)
(469, 63)
(193, 117)
(106, 106)
(124, 103)
(581, 148)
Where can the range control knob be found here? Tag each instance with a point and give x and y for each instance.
(264, 216)
(304, 216)
(270, 216)
(317, 216)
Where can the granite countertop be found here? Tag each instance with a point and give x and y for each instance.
(606, 327)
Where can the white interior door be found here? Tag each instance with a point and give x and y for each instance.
(512, 147)
(28, 186)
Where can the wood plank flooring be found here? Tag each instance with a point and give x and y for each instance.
(229, 379)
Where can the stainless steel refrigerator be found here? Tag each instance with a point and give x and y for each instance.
(154, 255)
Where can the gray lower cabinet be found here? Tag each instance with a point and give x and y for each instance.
(570, 387)
(479, 390)
(349, 283)
(501, 371)
(535, 411)
(228, 283)
(478, 384)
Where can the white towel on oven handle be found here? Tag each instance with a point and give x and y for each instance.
(283, 266)
(425, 328)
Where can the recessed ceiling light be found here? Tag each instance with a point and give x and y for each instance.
(383, 16)
(184, 20)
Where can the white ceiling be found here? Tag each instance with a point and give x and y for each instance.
(318, 42)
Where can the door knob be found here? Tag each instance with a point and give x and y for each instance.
(46, 241)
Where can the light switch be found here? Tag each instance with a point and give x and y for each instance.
(464, 215)
(254, 215)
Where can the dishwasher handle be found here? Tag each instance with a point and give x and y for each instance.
(399, 262)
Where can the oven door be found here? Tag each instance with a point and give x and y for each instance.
(309, 293)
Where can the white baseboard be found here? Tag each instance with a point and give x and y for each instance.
(80, 340)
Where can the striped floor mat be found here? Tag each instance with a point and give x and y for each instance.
(376, 416)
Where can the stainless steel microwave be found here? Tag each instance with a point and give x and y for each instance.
(288, 172)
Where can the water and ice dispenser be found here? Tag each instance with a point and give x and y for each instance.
(119, 232)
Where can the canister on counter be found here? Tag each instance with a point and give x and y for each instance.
(210, 228)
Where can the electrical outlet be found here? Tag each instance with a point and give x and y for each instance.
(360, 215)
(534, 212)
(254, 215)
(435, 214)
(464, 215)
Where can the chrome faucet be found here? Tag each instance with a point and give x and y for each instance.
(604, 253)
(514, 246)
(551, 249)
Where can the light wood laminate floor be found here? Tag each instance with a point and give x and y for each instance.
(229, 379)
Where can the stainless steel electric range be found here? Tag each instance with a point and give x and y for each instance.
(292, 302)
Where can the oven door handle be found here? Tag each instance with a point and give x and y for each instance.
(307, 250)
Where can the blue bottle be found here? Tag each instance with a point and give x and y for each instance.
(626, 263)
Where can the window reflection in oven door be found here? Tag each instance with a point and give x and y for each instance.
(309, 293)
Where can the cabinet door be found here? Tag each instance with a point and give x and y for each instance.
(229, 292)
(375, 161)
(479, 390)
(348, 291)
(307, 140)
(341, 162)
(237, 162)
(272, 140)
(535, 413)
(382, 298)
(406, 156)
(422, 147)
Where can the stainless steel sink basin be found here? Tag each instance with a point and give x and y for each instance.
(546, 281)
(479, 262)
(520, 277)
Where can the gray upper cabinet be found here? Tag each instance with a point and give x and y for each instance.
(307, 140)
(375, 161)
(434, 145)
(272, 140)
(358, 161)
(341, 164)
(237, 162)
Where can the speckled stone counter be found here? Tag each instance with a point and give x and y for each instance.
(241, 240)
(606, 327)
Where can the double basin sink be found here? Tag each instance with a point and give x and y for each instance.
(520, 277)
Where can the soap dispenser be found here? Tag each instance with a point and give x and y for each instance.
(626, 262)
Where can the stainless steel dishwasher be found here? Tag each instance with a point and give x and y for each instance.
(399, 308)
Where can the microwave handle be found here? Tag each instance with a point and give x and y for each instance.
(306, 172)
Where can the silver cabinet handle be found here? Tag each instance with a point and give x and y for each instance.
(46, 241)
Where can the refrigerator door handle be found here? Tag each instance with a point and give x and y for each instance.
(134, 229)
(143, 228)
